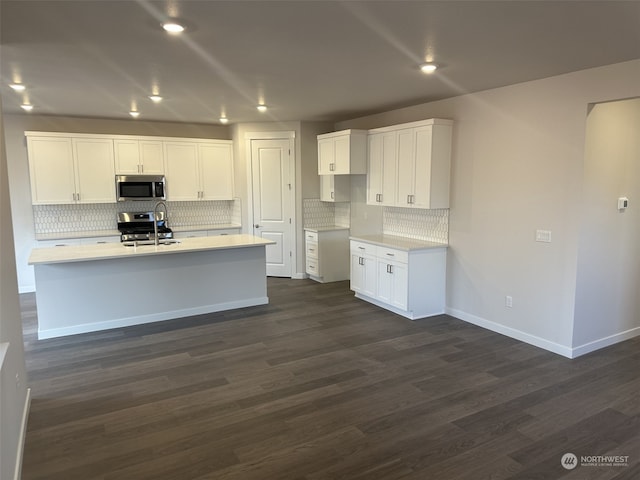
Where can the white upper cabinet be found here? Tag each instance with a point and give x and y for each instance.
(216, 171)
(381, 178)
(199, 170)
(335, 188)
(138, 157)
(342, 153)
(51, 170)
(67, 170)
(409, 165)
(182, 175)
(95, 172)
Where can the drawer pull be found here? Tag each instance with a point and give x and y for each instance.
(361, 248)
(391, 254)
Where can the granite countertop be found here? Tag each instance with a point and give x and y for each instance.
(401, 243)
(108, 251)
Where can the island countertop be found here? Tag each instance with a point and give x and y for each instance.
(81, 253)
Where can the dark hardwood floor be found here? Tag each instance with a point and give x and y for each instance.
(319, 385)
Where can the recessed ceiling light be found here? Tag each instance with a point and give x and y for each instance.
(428, 67)
(155, 98)
(262, 108)
(134, 114)
(18, 87)
(173, 27)
(224, 120)
(26, 107)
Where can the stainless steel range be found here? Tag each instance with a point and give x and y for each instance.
(137, 227)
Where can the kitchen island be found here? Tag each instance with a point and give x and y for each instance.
(88, 288)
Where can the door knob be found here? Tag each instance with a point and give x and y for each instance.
(257, 226)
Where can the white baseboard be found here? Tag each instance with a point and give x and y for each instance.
(23, 435)
(142, 319)
(605, 342)
(563, 350)
(299, 276)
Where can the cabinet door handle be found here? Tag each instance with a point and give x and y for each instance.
(141, 168)
(389, 268)
(332, 167)
(360, 261)
(332, 196)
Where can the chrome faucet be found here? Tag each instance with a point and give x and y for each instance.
(155, 220)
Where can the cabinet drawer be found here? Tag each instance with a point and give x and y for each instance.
(310, 236)
(312, 249)
(362, 247)
(312, 267)
(392, 254)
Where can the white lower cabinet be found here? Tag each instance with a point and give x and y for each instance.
(410, 283)
(363, 268)
(327, 254)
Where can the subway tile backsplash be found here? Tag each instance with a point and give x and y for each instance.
(53, 219)
(420, 224)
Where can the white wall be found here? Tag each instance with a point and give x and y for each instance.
(607, 301)
(517, 166)
(16, 125)
(14, 397)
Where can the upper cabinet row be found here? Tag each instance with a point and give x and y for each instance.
(73, 168)
(407, 165)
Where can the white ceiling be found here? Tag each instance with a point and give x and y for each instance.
(307, 60)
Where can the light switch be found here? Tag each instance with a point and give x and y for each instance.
(543, 236)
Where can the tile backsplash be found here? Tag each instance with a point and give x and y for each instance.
(325, 214)
(429, 225)
(51, 219)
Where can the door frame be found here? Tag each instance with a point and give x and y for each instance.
(289, 135)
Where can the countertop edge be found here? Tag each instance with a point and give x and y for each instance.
(399, 243)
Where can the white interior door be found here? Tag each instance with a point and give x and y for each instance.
(273, 202)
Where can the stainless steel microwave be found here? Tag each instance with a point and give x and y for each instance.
(140, 187)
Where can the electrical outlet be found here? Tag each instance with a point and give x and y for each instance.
(508, 301)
